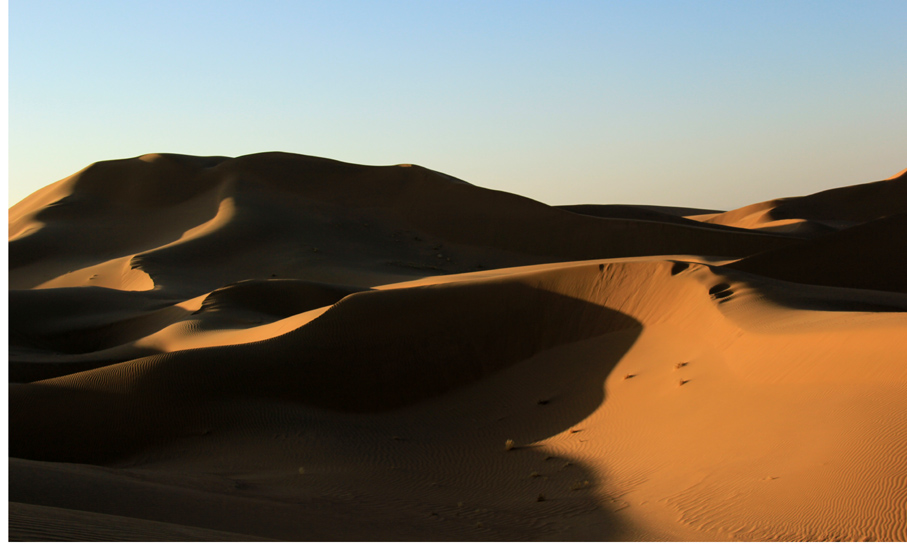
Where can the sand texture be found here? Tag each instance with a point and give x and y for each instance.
(283, 347)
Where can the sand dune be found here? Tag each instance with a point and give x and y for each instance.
(282, 347)
(289, 216)
(858, 257)
(822, 212)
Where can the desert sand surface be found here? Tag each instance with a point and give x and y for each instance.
(284, 347)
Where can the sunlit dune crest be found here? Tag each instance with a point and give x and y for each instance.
(285, 347)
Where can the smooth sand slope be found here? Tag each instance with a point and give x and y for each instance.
(282, 347)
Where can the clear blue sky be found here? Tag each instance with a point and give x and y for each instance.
(711, 104)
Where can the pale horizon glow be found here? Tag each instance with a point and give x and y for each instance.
(708, 104)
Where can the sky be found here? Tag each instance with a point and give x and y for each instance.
(711, 104)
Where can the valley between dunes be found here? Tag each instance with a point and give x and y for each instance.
(283, 347)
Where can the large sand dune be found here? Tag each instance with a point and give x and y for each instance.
(283, 347)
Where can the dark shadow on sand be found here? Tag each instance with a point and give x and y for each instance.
(369, 358)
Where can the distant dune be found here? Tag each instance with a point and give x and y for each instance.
(285, 347)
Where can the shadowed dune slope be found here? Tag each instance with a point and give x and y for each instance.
(277, 298)
(860, 257)
(60, 319)
(371, 351)
(858, 203)
(641, 212)
(136, 204)
(68, 330)
(219, 220)
(822, 212)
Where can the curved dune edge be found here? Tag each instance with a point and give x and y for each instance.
(194, 225)
(281, 347)
(113, 274)
(822, 212)
(857, 257)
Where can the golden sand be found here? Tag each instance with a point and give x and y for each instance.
(283, 347)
